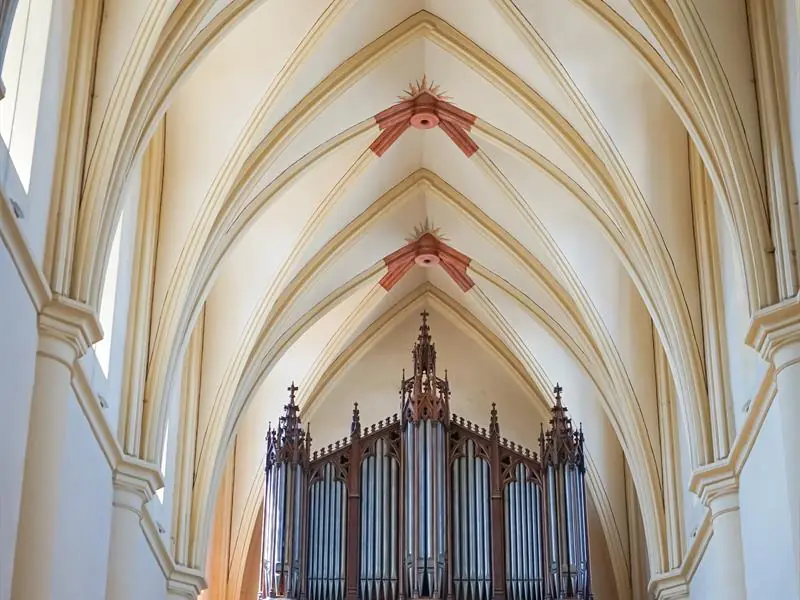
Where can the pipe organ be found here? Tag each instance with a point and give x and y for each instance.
(425, 505)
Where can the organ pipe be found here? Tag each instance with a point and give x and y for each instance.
(471, 526)
(284, 505)
(425, 421)
(562, 459)
(426, 505)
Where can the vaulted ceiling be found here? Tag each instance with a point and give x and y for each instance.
(537, 152)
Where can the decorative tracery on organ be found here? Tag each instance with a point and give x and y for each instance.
(425, 505)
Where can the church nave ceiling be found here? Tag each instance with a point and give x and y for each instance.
(546, 144)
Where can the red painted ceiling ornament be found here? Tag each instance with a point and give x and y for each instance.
(424, 107)
(427, 251)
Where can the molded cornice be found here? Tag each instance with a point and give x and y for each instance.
(135, 474)
(186, 583)
(72, 321)
(67, 329)
(774, 329)
(714, 481)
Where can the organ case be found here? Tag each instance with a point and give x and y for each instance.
(425, 505)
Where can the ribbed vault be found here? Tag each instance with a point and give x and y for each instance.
(553, 162)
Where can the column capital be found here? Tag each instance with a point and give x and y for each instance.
(670, 586)
(67, 329)
(717, 486)
(135, 483)
(775, 332)
(185, 583)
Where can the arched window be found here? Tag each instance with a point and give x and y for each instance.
(8, 10)
(108, 301)
(23, 70)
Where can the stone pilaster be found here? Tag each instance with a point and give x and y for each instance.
(66, 330)
(717, 485)
(775, 334)
(135, 483)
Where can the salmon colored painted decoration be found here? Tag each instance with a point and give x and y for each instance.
(424, 109)
(427, 251)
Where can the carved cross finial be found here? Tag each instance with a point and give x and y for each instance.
(292, 389)
(494, 425)
(355, 426)
(557, 391)
(424, 329)
(424, 337)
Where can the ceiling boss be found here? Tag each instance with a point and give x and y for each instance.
(424, 106)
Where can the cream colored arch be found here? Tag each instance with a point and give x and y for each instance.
(682, 349)
(505, 241)
(677, 26)
(149, 45)
(654, 517)
(532, 380)
(642, 221)
(626, 417)
(154, 92)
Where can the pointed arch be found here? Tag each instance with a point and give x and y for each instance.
(223, 228)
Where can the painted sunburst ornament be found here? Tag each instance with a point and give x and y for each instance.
(427, 226)
(422, 86)
(424, 106)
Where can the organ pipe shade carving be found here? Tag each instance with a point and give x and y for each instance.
(425, 505)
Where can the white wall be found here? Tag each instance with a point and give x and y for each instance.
(17, 358)
(85, 520)
(702, 587)
(768, 548)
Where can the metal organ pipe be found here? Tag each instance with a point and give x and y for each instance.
(284, 505)
(425, 502)
(472, 574)
(562, 458)
(523, 537)
(425, 507)
(380, 535)
(326, 539)
(425, 419)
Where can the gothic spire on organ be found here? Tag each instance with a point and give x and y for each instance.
(424, 395)
(561, 443)
(289, 441)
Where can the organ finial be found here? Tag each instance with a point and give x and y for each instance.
(424, 329)
(557, 391)
(291, 439)
(355, 426)
(494, 425)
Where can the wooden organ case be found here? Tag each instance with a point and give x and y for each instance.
(425, 505)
